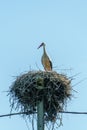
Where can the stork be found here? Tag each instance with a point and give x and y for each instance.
(46, 62)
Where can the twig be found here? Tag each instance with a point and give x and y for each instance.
(79, 82)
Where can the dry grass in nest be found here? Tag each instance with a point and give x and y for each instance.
(34, 86)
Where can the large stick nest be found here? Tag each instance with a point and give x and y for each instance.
(34, 86)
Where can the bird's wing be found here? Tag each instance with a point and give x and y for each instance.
(46, 62)
(51, 64)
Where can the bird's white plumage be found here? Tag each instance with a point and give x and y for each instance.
(46, 62)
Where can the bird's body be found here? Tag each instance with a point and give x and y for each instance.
(46, 62)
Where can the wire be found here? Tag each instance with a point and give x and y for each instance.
(20, 113)
(67, 112)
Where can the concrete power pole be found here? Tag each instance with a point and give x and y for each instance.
(40, 108)
(40, 115)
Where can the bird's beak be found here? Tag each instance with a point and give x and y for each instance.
(40, 46)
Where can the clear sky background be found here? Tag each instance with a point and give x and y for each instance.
(62, 25)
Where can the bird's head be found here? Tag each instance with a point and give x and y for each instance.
(42, 44)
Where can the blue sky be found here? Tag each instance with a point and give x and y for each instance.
(62, 25)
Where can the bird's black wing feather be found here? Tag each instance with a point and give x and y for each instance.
(51, 65)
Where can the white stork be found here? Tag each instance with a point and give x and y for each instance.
(46, 62)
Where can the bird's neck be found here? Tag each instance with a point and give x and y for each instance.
(44, 49)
